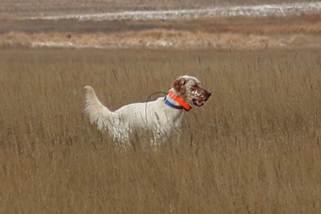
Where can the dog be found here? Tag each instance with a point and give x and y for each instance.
(161, 116)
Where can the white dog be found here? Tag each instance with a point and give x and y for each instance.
(160, 116)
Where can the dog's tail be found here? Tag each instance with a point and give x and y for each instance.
(96, 111)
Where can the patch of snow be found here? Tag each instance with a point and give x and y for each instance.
(151, 44)
(160, 43)
(62, 45)
(251, 10)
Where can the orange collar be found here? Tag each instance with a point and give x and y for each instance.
(180, 101)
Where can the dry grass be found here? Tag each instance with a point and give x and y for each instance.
(259, 25)
(231, 32)
(254, 148)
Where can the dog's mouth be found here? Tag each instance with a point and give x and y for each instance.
(198, 102)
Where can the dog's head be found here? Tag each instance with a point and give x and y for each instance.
(190, 89)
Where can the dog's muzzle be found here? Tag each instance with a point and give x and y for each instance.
(200, 100)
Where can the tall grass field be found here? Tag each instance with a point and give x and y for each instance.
(254, 147)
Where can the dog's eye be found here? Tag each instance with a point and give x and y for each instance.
(194, 88)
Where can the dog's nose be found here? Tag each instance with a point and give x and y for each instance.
(206, 95)
(209, 94)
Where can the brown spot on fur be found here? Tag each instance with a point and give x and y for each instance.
(178, 86)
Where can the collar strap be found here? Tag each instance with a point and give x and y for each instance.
(182, 103)
(167, 102)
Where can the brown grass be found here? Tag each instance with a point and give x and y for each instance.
(304, 23)
(231, 32)
(253, 148)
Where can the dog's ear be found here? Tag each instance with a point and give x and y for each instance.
(178, 83)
